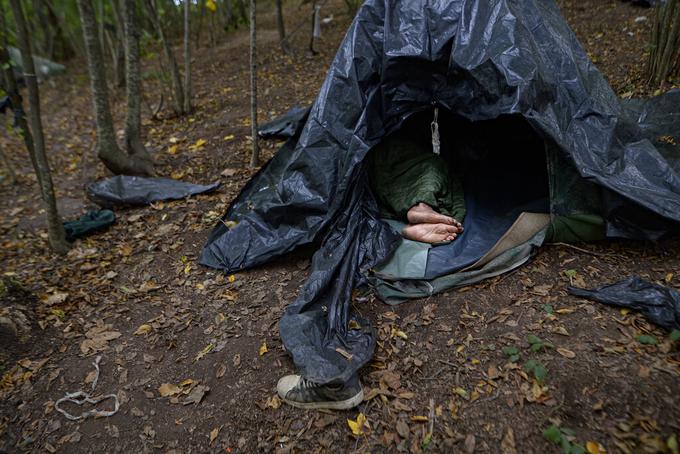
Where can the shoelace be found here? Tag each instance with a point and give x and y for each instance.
(307, 384)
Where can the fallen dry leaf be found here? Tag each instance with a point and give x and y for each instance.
(168, 389)
(566, 353)
(357, 426)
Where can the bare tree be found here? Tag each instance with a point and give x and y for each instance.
(133, 120)
(664, 58)
(107, 148)
(281, 26)
(33, 136)
(170, 56)
(187, 58)
(117, 44)
(255, 156)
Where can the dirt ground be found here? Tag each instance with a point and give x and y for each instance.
(194, 356)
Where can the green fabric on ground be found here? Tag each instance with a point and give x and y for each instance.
(403, 173)
(576, 227)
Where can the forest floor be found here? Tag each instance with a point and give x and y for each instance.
(194, 356)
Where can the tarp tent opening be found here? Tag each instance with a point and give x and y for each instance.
(502, 166)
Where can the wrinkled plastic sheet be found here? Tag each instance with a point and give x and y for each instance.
(659, 304)
(477, 59)
(125, 190)
(89, 223)
(287, 125)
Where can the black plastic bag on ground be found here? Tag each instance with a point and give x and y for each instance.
(91, 222)
(661, 305)
(287, 125)
(129, 190)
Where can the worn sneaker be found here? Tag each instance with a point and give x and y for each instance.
(302, 393)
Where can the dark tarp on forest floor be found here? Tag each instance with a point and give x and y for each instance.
(129, 190)
(477, 59)
(661, 305)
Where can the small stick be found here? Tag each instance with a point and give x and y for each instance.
(600, 254)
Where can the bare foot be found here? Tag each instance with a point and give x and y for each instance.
(430, 233)
(423, 213)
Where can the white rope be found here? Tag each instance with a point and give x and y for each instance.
(81, 397)
(434, 129)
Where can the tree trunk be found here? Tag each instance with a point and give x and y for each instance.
(281, 26)
(255, 156)
(199, 29)
(67, 43)
(133, 119)
(229, 16)
(35, 142)
(9, 167)
(119, 50)
(187, 57)
(241, 6)
(107, 148)
(100, 28)
(311, 36)
(664, 58)
(174, 69)
(44, 27)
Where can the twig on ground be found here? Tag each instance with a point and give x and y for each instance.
(598, 254)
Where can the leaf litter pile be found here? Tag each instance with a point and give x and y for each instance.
(512, 364)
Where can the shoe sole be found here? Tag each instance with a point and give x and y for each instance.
(329, 405)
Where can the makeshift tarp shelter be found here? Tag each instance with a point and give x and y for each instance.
(519, 102)
(44, 67)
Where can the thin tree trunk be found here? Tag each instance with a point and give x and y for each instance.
(44, 27)
(100, 28)
(35, 141)
(119, 50)
(107, 148)
(241, 6)
(664, 58)
(255, 156)
(230, 18)
(211, 29)
(133, 119)
(174, 69)
(187, 57)
(312, 36)
(199, 29)
(9, 167)
(281, 26)
(69, 46)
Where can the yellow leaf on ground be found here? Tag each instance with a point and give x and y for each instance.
(143, 330)
(229, 137)
(357, 426)
(198, 145)
(168, 389)
(172, 149)
(593, 447)
(231, 278)
(263, 348)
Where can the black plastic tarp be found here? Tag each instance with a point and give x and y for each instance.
(287, 125)
(89, 223)
(477, 59)
(130, 190)
(661, 305)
